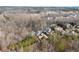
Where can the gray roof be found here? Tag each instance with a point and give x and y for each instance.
(38, 33)
(47, 29)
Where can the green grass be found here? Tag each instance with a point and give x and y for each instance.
(24, 44)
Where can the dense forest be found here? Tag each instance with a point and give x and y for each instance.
(39, 29)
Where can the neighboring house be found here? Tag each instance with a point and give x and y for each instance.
(68, 25)
(58, 28)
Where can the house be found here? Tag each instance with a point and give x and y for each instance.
(43, 34)
(38, 33)
(47, 30)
